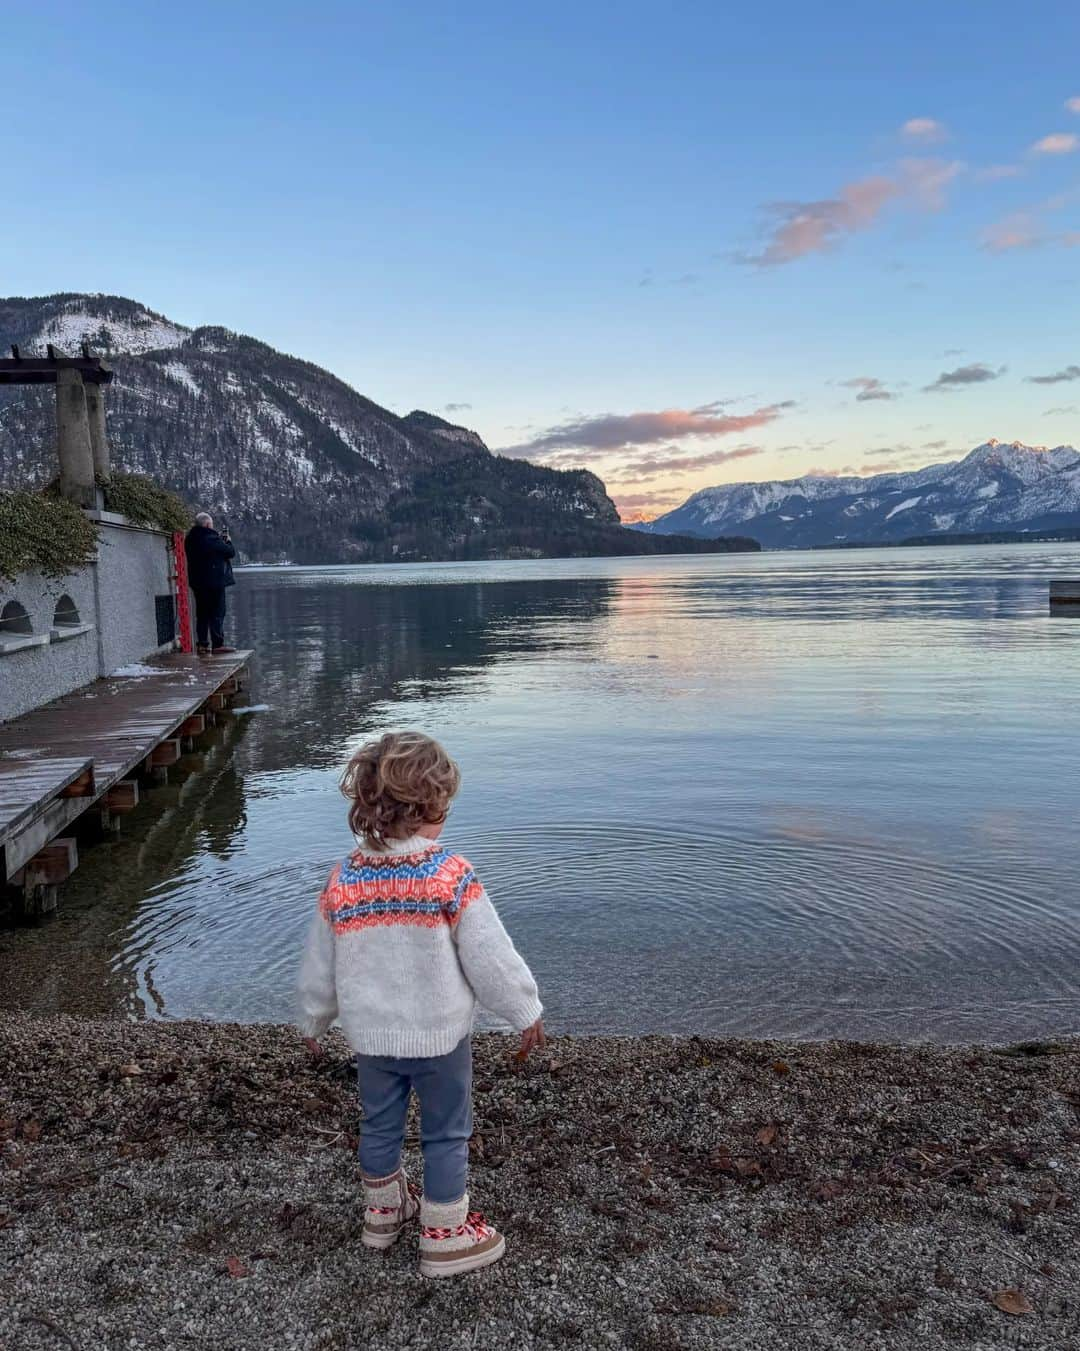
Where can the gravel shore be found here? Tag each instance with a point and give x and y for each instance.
(194, 1185)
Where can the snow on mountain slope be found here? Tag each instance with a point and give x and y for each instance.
(995, 487)
(298, 460)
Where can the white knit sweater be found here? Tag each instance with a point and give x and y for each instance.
(403, 946)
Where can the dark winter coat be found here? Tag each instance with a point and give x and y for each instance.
(208, 558)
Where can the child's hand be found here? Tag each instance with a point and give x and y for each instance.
(532, 1039)
(313, 1046)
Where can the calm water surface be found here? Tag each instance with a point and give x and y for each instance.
(784, 794)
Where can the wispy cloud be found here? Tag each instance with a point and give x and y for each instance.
(1057, 143)
(926, 129)
(1057, 378)
(456, 407)
(803, 228)
(1073, 104)
(649, 278)
(975, 374)
(869, 388)
(993, 173)
(649, 466)
(1018, 231)
(886, 467)
(1064, 408)
(1029, 228)
(613, 431)
(934, 445)
(644, 506)
(814, 227)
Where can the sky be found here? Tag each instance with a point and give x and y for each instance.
(678, 244)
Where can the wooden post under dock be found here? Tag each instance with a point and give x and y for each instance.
(81, 753)
(1065, 593)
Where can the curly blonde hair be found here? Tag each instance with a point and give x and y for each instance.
(397, 784)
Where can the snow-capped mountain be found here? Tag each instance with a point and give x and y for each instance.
(295, 459)
(995, 487)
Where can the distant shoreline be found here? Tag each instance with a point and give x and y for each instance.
(1070, 536)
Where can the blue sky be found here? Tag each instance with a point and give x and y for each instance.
(658, 241)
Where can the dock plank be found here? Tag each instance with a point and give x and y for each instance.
(29, 780)
(112, 726)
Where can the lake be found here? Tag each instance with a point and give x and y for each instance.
(789, 794)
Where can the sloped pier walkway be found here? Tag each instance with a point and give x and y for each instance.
(78, 752)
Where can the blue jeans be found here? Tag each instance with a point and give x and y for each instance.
(443, 1085)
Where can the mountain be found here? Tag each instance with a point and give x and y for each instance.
(293, 459)
(995, 487)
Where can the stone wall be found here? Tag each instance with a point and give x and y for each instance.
(113, 622)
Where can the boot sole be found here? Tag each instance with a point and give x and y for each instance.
(459, 1266)
(380, 1240)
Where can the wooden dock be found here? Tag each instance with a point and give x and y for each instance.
(1065, 593)
(86, 751)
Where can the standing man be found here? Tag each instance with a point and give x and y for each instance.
(209, 563)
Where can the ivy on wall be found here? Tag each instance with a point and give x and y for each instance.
(145, 502)
(43, 533)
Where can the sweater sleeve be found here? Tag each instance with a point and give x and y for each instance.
(316, 992)
(492, 965)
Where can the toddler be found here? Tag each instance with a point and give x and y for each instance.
(403, 946)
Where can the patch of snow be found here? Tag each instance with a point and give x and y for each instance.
(280, 419)
(139, 668)
(906, 505)
(176, 370)
(132, 336)
(787, 518)
(252, 708)
(945, 521)
(989, 490)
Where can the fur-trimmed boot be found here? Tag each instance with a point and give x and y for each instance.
(390, 1203)
(454, 1239)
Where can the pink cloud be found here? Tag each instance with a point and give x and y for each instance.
(644, 506)
(1058, 143)
(612, 431)
(923, 129)
(1019, 231)
(815, 227)
(649, 466)
(925, 180)
(1073, 104)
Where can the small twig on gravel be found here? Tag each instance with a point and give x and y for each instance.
(1015, 1257)
(329, 1144)
(52, 1325)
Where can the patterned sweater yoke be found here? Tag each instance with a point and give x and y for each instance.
(431, 887)
(401, 948)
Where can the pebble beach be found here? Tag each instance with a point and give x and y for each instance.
(195, 1185)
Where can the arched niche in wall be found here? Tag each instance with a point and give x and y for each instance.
(14, 621)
